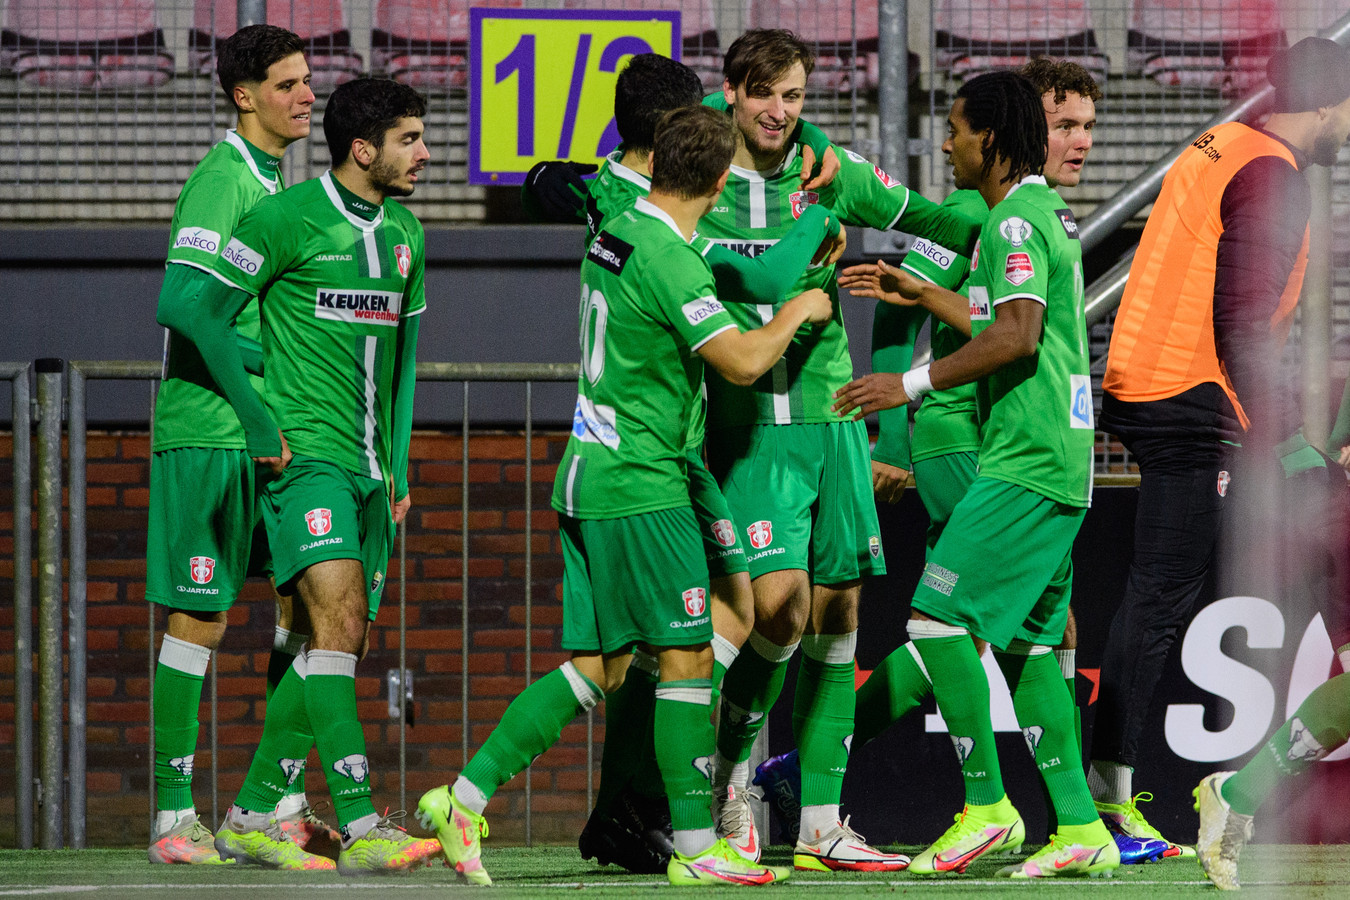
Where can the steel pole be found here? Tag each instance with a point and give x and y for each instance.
(22, 415)
(252, 12)
(893, 86)
(50, 704)
(77, 615)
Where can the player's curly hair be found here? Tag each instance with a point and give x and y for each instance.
(762, 56)
(367, 108)
(246, 55)
(1061, 76)
(650, 86)
(693, 149)
(1007, 106)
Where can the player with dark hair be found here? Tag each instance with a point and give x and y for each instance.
(1001, 571)
(205, 532)
(634, 563)
(1194, 367)
(337, 267)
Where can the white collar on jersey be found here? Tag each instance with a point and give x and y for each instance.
(234, 140)
(1026, 179)
(755, 175)
(627, 174)
(326, 179)
(643, 205)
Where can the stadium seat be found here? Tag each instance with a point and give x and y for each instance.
(1218, 45)
(1005, 34)
(425, 43)
(843, 34)
(699, 48)
(321, 23)
(77, 44)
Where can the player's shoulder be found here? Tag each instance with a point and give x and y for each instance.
(1032, 208)
(400, 215)
(968, 203)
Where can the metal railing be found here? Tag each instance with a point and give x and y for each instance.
(21, 424)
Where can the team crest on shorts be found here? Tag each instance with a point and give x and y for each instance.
(695, 601)
(761, 534)
(801, 200)
(1223, 484)
(723, 531)
(203, 568)
(403, 256)
(874, 546)
(320, 521)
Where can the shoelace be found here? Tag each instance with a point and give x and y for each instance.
(850, 832)
(1133, 809)
(199, 833)
(736, 815)
(387, 829)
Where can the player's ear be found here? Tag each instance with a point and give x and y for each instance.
(728, 92)
(243, 98)
(363, 152)
(722, 183)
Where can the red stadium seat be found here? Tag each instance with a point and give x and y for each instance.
(843, 33)
(1218, 45)
(74, 44)
(425, 43)
(321, 23)
(1005, 34)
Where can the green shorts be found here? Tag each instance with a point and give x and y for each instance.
(803, 496)
(942, 481)
(721, 540)
(205, 535)
(1003, 566)
(635, 578)
(318, 511)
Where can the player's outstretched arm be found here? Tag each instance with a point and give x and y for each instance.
(555, 192)
(768, 277)
(742, 356)
(203, 308)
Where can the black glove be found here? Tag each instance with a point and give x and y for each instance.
(554, 192)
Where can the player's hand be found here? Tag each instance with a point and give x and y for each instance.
(831, 249)
(557, 189)
(888, 482)
(277, 464)
(866, 395)
(819, 307)
(829, 167)
(882, 281)
(1344, 458)
(400, 508)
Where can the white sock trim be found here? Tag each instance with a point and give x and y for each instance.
(646, 663)
(1110, 782)
(1067, 663)
(184, 656)
(818, 820)
(836, 649)
(290, 805)
(931, 628)
(918, 661)
(696, 696)
(587, 694)
(470, 794)
(1026, 648)
(693, 841)
(724, 651)
(288, 641)
(774, 653)
(331, 662)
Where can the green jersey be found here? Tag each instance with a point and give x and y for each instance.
(755, 211)
(191, 410)
(647, 305)
(335, 277)
(946, 421)
(1037, 412)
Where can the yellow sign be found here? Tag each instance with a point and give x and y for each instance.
(541, 83)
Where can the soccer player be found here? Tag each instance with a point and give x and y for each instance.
(1001, 570)
(1193, 368)
(337, 266)
(635, 570)
(797, 478)
(205, 533)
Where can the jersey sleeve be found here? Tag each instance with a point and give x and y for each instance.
(681, 286)
(415, 295)
(204, 219)
(768, 277)
(863, 194)
(1017, 254)
(944, 266)
(264, 244)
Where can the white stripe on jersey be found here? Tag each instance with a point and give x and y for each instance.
(372, 253)
(570, 497)
(372, 343)
(758, 217)
(782, 406)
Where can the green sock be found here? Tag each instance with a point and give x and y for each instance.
(330, 701)
(749, 691)
(628, 732)
(286, 741)
(822, 715)
(684, 744)
(1067, 667)
(962, 691)
(178, 695)
(530, 725)
(1319, 725)
(286, 646)
(1045, 713)
(894, 688)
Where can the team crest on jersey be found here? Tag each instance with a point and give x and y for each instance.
(403, 256)
(203, 568)
(724, 532)
(695, 601)
(1015, 230)
(801, 200)
(884, 178)
(1069, 222)
(761, 534)
(320, 521)
(1224, 479)
(375, 582)
(975, 258)
(874, 546)
(1018, 268)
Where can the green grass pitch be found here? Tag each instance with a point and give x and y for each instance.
(1268, 871)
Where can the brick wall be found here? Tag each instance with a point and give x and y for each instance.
(120, 641)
